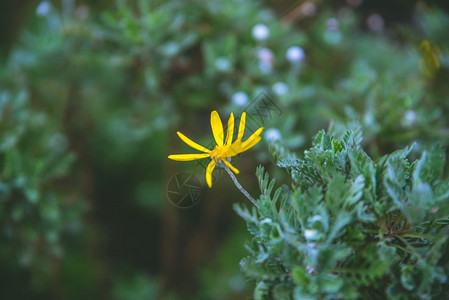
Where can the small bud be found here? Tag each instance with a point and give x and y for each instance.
(409, 118)
(310, 234)
(295, 54)
(43, 8)
(375, 22)
(272, 135)
(260, 32)
(222, 64)
(310, 269)
(332, 24)
(239, 99)
(280, 88)
(266, 57)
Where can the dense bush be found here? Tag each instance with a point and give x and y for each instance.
(350, 227)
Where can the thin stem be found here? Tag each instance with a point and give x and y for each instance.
(237, 184)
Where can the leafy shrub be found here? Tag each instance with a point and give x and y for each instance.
(34, 212)
(350, 226)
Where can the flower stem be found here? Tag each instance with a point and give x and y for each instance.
(237, 184)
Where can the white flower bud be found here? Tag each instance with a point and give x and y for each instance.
(295, 54)
(310, 234)
(280, 88)
(266, 57)
(43, 8)
(239, 98)
(260, 32)
(272, 135)
(222, 64)
(409, 118)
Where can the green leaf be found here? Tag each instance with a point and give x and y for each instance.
(261, 291)
(331, 284)
(430, 167)
(300, 276)
(407, 280)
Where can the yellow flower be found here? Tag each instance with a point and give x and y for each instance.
(429, 62)
(225, 148)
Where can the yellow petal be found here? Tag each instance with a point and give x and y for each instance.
(234, 169)
(209, 169)
(217, 128)
(242, 126)
(252, 140)
(230, 132)
(192, 143)
(233, 149)
(188, 157)
(250, 144)
(254, 135)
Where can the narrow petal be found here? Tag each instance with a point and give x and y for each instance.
(250, 144)
(254, 135)
(188, 157)
(217, 128)
(192, 143)
(242, 126)
(234, 149)
(230, 132)
(210, 168)
(252, 140)
(230, 166)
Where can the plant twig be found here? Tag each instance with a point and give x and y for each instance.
(237, 184)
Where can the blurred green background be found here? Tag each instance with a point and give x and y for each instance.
(93, 92)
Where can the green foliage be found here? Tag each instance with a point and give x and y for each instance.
(350, 227)
(91, 95)
(33, 211)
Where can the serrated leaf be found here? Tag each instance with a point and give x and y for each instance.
(261, 291)
(354, 193)
(331, 284)
(430, 167)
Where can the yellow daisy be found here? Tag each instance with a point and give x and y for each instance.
(225, 148)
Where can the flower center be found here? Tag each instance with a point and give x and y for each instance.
(220, 152)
